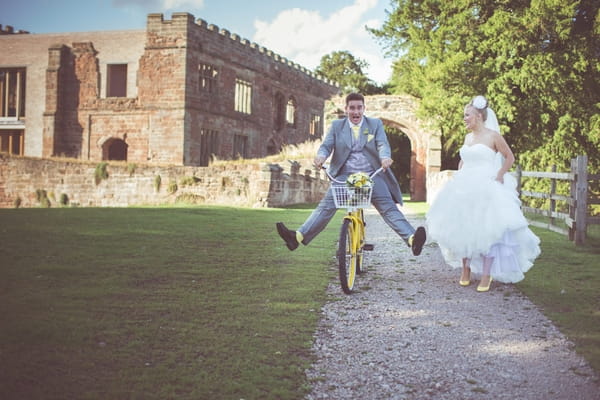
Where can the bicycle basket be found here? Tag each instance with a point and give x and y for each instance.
(351, 197)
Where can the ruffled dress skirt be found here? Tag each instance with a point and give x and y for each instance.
(474, 215)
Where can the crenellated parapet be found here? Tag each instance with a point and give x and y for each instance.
(9, 30)
(209, 37)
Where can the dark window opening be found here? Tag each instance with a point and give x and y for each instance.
(279, 111)
(207, 78)
(272, 148)
(116, 150)
(12, 92)
(209, 145)
(12, 141)
(315, 128)
(116, 80)
(239, 146)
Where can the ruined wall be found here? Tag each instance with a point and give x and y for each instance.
(255, 185)
(165, 112)
(34, 51)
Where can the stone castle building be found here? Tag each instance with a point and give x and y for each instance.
(178, 92)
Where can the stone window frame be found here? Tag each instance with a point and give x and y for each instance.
(115, 73)
(315, 128)
(209, 145)
(243, 96)
(207, 78)
(12, 93)
(290, 111)
(240, 146)
(12, 141)
(279, 111)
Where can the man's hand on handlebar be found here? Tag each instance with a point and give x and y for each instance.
(386, 163)
(318, 161)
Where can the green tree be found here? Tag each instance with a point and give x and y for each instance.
(535, 60)
(343, 68)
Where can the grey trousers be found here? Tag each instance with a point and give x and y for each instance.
(381, 199)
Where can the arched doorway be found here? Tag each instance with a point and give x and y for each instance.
(114, 149)
(272, 147)
(401, 154)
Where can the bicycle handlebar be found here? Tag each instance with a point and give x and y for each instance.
(331, 178)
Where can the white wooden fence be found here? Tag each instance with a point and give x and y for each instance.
(578, 218)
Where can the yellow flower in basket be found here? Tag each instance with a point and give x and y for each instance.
(359, 180)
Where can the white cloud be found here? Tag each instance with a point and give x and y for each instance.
(160, 4)
(304, 36)
(182, 4)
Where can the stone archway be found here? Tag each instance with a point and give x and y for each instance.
(399, 112)
(114, 149)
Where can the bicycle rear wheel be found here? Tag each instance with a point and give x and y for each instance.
(347, 257)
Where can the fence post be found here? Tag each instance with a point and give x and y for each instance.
(573, 195)
(552, 193)
(581, 199)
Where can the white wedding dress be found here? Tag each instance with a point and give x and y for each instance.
(475, 215)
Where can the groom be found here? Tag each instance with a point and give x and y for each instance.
(357, 144)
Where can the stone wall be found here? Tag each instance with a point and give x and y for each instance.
(254, 185)
(167, 108)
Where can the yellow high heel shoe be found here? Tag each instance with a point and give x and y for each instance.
(465, 282)
(484, 288)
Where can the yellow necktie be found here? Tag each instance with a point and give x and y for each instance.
(355, 130)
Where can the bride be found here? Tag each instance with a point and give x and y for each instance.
(476, 217)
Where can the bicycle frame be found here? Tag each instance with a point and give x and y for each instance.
(351, 245)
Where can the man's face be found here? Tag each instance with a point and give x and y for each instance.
(355, 110)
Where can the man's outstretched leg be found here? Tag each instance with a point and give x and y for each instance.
(417, 240)
(289, 237)
(317, 221)
(387, 208)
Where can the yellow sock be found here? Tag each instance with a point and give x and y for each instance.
(411, 239)
(299, 236)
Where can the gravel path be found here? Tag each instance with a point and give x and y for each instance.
(411, 332)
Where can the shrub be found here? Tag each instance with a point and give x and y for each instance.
(42, 197)
(172, 188)
(17, 202)
(190, 198)
(131, 168)
(64, 199)
(189, 180)
(157, 181)
(100, 172)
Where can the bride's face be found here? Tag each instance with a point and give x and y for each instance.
(471, 117)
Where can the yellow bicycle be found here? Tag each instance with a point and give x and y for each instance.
(352, 245)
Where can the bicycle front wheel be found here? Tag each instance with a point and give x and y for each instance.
(347, 256)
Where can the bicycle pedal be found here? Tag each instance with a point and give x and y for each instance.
(368, 247)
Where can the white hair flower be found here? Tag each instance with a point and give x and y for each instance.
(479, 102)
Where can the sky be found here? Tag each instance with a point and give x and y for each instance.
(301, 31)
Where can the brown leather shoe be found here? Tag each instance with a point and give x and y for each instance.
(418, 240)
(288, 236)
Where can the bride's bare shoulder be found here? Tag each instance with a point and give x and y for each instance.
(469, 138)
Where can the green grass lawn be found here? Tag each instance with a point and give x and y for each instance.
(199, 302)
(157, 303)
(565, 284)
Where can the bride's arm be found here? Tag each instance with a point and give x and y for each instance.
(509, 158)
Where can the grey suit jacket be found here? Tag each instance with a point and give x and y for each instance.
(376, 147)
